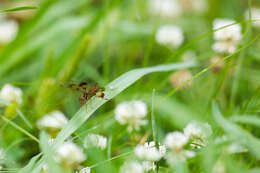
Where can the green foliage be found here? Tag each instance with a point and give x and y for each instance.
(113, 43)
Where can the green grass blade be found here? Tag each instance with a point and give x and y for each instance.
(18, 9)
(19, 128)
(30, 166)
(48, 154)
(247, 119)
(236, 132)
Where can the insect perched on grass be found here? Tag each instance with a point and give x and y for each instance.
(87, 93)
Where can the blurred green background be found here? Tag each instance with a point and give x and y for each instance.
(60, 41)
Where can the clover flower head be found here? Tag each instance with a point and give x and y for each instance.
(70, 154)
(227, 38)
(53, 120)
(11, 94)
(96, 141)
(8, 30)
(148, 152)
(131, 167)
(131, 113)
(175, 140)
(148, 165)
(198, 132)
(85, 170)
(255, 12)
(170, 36)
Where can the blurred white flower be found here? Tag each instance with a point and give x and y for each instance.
(165, 8)
(70, 154)
(96, 141)
(8, 30)
(53, 120)
(232, 32)
(85, 170)
(148, 151)
(131, 167)
(169, 35)
(198, 132)
(11, 94)
(255, 12)
(175, 140)
(148, 165)
(227, 38)
(132, 114)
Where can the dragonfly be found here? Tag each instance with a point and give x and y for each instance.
(87, 92)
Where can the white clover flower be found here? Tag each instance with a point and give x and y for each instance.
(96, 141)
(8, 30)
(198, 132)
(148, 151)
(148, 165)
(255, 12)
(232, 33)
(131, 167)
(132, 114)
(165, 8)
(227, 38)
(169, 35)
(70, 154)
(175, 140)
(11, 94)
(85, 170)
(53, 120)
